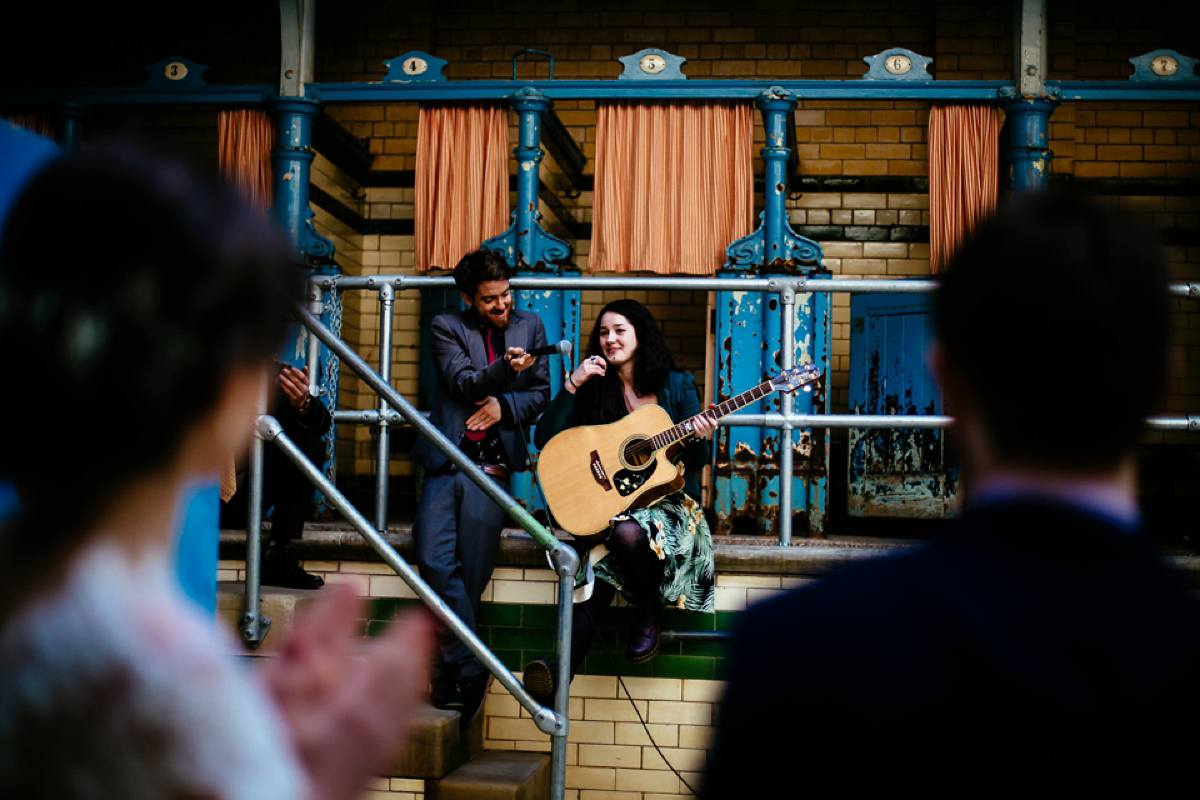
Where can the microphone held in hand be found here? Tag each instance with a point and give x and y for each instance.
(563, 348)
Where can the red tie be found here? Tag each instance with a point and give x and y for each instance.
(477, 436)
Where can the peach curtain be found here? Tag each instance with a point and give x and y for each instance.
(964, 174)
(40, 124)
(244, 141)
(674, 185)
(462, 181)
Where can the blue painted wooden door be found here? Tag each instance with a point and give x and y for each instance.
(896, 472)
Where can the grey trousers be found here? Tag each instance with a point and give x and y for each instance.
(457, 533)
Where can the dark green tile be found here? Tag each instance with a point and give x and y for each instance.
(521, 638)
(376, 627)
(381, 608)
(690, 621)
(539, 616)
(722, 669)
(686, 667)
(727, 620)
(510, 658)
(709, 649)
(499, 614)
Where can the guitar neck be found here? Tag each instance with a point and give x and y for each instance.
(684, 429)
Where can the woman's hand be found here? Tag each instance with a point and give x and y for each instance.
(587, 369)
(702, 425)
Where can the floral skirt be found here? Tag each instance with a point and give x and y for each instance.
(679, 535)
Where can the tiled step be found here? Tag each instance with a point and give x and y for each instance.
(496, 775)
(276, 603)
(436, 746)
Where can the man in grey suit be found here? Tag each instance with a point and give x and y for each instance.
(490, 390)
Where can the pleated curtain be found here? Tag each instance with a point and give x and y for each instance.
(964, 174)
(674, 185)
(461, 183)
(244, 141)
(41, 124)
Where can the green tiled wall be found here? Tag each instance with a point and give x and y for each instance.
(520, 633)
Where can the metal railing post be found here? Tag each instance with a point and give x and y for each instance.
(312, 358)
(566, 563)
(253, 624)
(787, 360)
(383, 445)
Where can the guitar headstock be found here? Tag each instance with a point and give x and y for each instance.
(803, 375)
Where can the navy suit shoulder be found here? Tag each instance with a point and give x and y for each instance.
(1034, 637)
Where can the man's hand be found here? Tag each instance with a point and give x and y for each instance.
(487, 415)
(294, 383)
(347, 702)
(518, 359)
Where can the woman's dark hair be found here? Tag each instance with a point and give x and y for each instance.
(601, 400)
(129, 289)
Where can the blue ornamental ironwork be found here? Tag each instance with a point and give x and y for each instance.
(415, 67)
(898, 64)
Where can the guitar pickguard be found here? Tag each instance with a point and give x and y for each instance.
(628, 481)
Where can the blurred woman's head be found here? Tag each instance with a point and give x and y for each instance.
(132, 292)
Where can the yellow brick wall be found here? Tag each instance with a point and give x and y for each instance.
(968, 40)
(609, 756)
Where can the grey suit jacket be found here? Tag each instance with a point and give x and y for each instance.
(465, 377)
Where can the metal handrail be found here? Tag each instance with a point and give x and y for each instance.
(786, 286)
(269, 430)
(563, 558)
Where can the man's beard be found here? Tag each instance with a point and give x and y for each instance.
(491, 322)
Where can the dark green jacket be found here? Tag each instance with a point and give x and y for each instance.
(678, 397)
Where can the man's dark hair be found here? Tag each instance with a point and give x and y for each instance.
(1055, 312)
(480, 266)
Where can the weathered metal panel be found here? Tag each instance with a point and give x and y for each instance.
(896, 472)
(749, 350)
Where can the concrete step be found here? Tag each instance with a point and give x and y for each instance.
(275, 602)
(496, 775)
(436, 746)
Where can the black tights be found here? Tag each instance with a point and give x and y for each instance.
(642, 570)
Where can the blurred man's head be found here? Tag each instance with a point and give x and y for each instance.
(1053, 327)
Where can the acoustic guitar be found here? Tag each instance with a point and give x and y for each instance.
(591, 473)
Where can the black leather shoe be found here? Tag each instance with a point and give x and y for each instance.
(474, 691)
(643, 637)
(284, 570)
(539, 681)
(443, 693)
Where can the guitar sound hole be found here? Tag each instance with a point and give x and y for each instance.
(637, 452)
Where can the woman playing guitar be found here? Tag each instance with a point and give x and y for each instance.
(659, 554)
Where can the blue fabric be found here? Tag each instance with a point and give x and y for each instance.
(22, 154)
(196, 544)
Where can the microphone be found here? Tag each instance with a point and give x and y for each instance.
(563, 348)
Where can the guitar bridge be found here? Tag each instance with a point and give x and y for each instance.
(599, 473)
